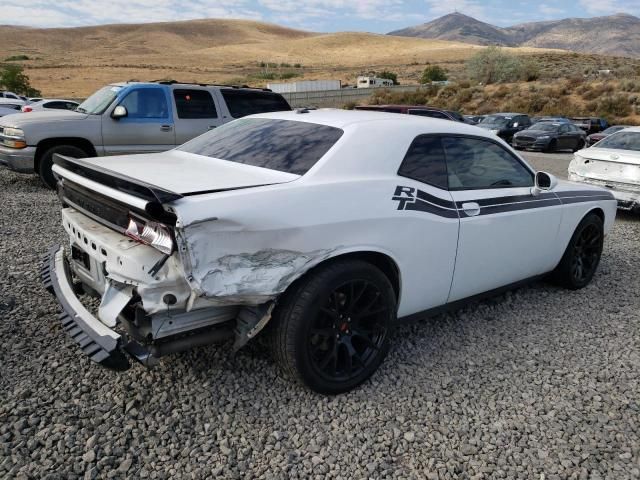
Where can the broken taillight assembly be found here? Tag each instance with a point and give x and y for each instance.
(150, 233)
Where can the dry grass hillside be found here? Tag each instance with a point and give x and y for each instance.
(74, 62)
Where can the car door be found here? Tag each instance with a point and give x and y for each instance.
(429, 231)
(565, 137)
(196, 113)
(506, 233)
(148, 125)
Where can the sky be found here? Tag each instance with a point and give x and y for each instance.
(379, 16)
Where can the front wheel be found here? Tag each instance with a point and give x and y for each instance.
(582, 256)
(46, 162)
(332, 330)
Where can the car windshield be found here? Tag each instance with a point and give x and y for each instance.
(283, 145)
(496, 120)
(622, 141)
(611, 130)
(97, 103)
(545, 127)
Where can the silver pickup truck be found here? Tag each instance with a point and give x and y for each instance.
(125, 118)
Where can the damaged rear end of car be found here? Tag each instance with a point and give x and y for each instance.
(128, 248)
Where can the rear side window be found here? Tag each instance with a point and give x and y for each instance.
(242, 102)
(474, 163)
(283, 145)
(425, 162)
(194, 104)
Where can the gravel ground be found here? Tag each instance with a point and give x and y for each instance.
(538, 383)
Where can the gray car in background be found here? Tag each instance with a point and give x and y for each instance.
(126, 118)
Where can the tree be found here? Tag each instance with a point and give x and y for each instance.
(13, 78)
(433, 73)
(494, 65)
(390, 75)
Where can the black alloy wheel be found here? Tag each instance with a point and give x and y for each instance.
(331, 329)
(582, 256)
(348, 331)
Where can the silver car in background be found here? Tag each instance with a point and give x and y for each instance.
(613, 163)
(50, 104)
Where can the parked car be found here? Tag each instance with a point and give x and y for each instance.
(7, 111)
(505, 125)
(11, 96)
(550, 137)
(35, 99)
(474, 119)
(326, 227)
(131, 117)
(596, 137)
(550, 119)
(419, 110)
(613, 163)
(590, 124)
(50, 104)
(11, 104)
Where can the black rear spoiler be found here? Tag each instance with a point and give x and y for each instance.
(123, 183)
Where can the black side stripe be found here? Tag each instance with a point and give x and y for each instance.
(422, 206)
(416, 200)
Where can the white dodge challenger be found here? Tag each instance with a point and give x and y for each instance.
(322, 229)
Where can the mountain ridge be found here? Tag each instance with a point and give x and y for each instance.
(617, 34)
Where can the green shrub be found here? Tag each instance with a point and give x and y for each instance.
(389, 75)
(433, 73)
(494, 65)
(16, 58)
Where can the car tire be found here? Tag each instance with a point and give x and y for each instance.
(553, 145)
(582, 256)
(331, 330)
(46, 162)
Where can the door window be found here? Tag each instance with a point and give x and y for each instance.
(425, 162)
(474, 163)
(146, 103)
(194, 104)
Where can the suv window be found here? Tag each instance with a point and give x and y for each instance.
(428, 113)
(474, 163)
(146, 103)
(425, 162)
(242, 102)
(284, 145)
(194, 104)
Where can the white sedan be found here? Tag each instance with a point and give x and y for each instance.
(324, 228)
(613, 163)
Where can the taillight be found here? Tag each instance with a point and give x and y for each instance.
(150, 233)
(27, 109)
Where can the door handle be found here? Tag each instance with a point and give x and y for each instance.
(471, 209)
(166, 128)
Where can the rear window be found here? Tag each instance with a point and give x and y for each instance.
(242, 102)
(622, 141)
(283, 145)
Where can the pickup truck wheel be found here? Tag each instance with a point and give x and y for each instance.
(582, 256)
(46, 162)
(332, 331)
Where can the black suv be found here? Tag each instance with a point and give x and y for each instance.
(505, 125)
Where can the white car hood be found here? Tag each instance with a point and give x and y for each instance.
(185, 173)
(611, 155)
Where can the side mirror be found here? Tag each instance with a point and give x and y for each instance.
(119, 112)
(515, 124)
(544, 182)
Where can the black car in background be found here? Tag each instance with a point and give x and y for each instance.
(550, 136)
(590, 124)
(505, 125)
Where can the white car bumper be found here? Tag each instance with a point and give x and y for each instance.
(627, 195)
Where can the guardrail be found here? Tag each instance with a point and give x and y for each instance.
(338, 98)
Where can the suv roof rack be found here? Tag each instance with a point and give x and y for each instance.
(176, 82)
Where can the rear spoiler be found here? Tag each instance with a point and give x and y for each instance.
(117, 181)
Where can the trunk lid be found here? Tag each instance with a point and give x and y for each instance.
(621, 166)
(187, 173)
